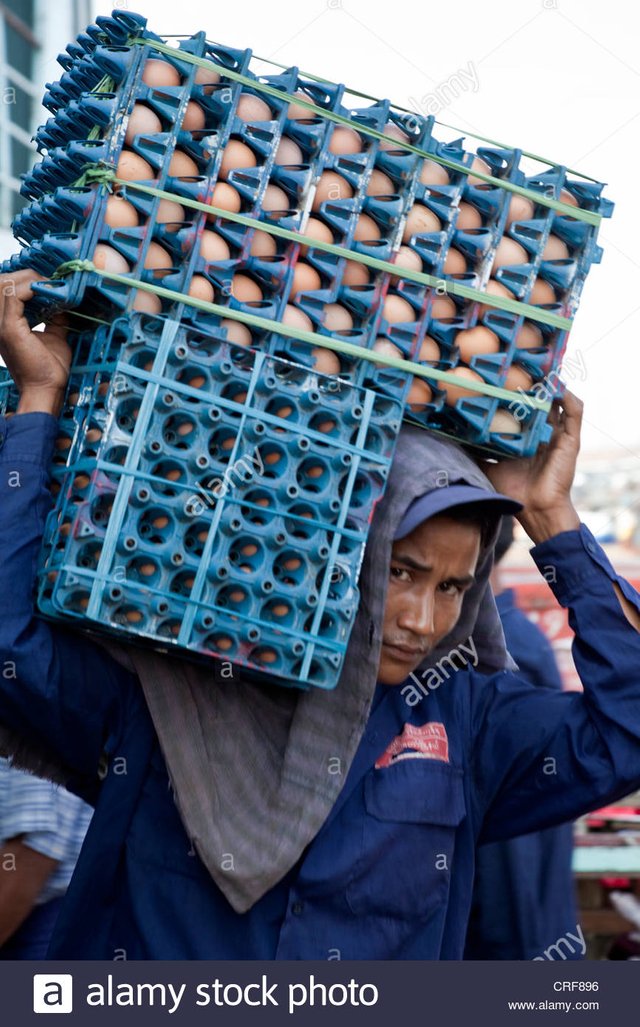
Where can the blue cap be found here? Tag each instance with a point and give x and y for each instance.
(441, 499)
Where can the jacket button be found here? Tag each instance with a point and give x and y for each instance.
(297, 908)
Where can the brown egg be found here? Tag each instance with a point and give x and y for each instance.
(205, 77)
(170, 214)
(478, 165)
(397, 310)
(213, 247)
(245, 290)
(542, 293)
(296, 112)
(419, 395)
(520, 209)
(252, 108)
(366, 230)
(288, 152)
(201, 289)
(529, 336)
(494, 288)
(133, 168)
(275, 198)
(473, 341)
(194, 119)
(120, 213)
(237, 332)
(317, 229)
(157, 257)
(432, 173)
(391, 129)
(147, 302)
(380, 184)
(182, 165)
(442, 307)
(382, 345)
(296, 318)
(429, 351)
(354, 273)
(337, 318)
(407, 258)
(305, 279)
(555, 249)
(325, 361)
(236, 155)
(504, 423)
(468, 217)
(225, 197)
(454, 262)
(108, 259)
(263, 245)
(142, 121)
(333, 187)
(517, 378)
(567, 197)
(458, 391)
(420, 220)
(159, 73)
(508, 252)
(345, 141)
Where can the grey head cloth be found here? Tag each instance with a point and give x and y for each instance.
(250, 765)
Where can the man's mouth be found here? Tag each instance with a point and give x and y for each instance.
(405, 654)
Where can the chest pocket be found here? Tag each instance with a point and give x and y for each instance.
(412, 811)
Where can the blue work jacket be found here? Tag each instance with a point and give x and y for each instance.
(390, 873)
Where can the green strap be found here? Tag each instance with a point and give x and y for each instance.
(590, 217)
(312, 338)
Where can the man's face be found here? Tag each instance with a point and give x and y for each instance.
(430, 571)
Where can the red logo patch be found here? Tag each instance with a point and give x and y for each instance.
(427, 742)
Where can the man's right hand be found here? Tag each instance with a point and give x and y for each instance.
(39, 362)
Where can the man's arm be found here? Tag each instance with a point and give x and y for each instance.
(23, 875)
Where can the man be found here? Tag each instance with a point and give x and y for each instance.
(524, 894)
(382, 792)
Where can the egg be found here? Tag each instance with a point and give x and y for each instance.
(382, 345)
(252, 108)
(245, 290)
(366, 230)
(182, 165)
(529, 337)
(542, 294)
(296, 112)
(120, 213)
(205, 77)
(225, 197)
(337, 318)
(194, 117)
(275, 198)
(288, 152)
(455, 392)
(236, 155)
(508, 252)
(325, 361)
(147, 302)
(494, 288)
(419, 395)
(263, 245)
(396, 309)
(407, 258)
(454, 262)
(296, 318)
(478, 165)
(420, 220)
(158, 73)
(237, 332)
(442, 307)
(142, 121)
(391, 129)
(170, 214)
(201, 289)
(477, 340)
(567, 197)
(504, 423)
(305, 278)
(108, 259)
(344, 141)
(380, 184)
(213, 247)
(518, 378)
(331, 186)
(158, 258)
(432, 173)
(468, 217)
(429, 351)
(317, 229)
(555, 249)
(520, 209)
(133, 168)
(354, 274)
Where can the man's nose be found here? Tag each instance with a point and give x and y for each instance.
(419, 614)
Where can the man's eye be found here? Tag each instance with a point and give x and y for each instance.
(397, 572)
(450, 588)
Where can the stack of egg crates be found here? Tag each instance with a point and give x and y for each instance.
(214, 478)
